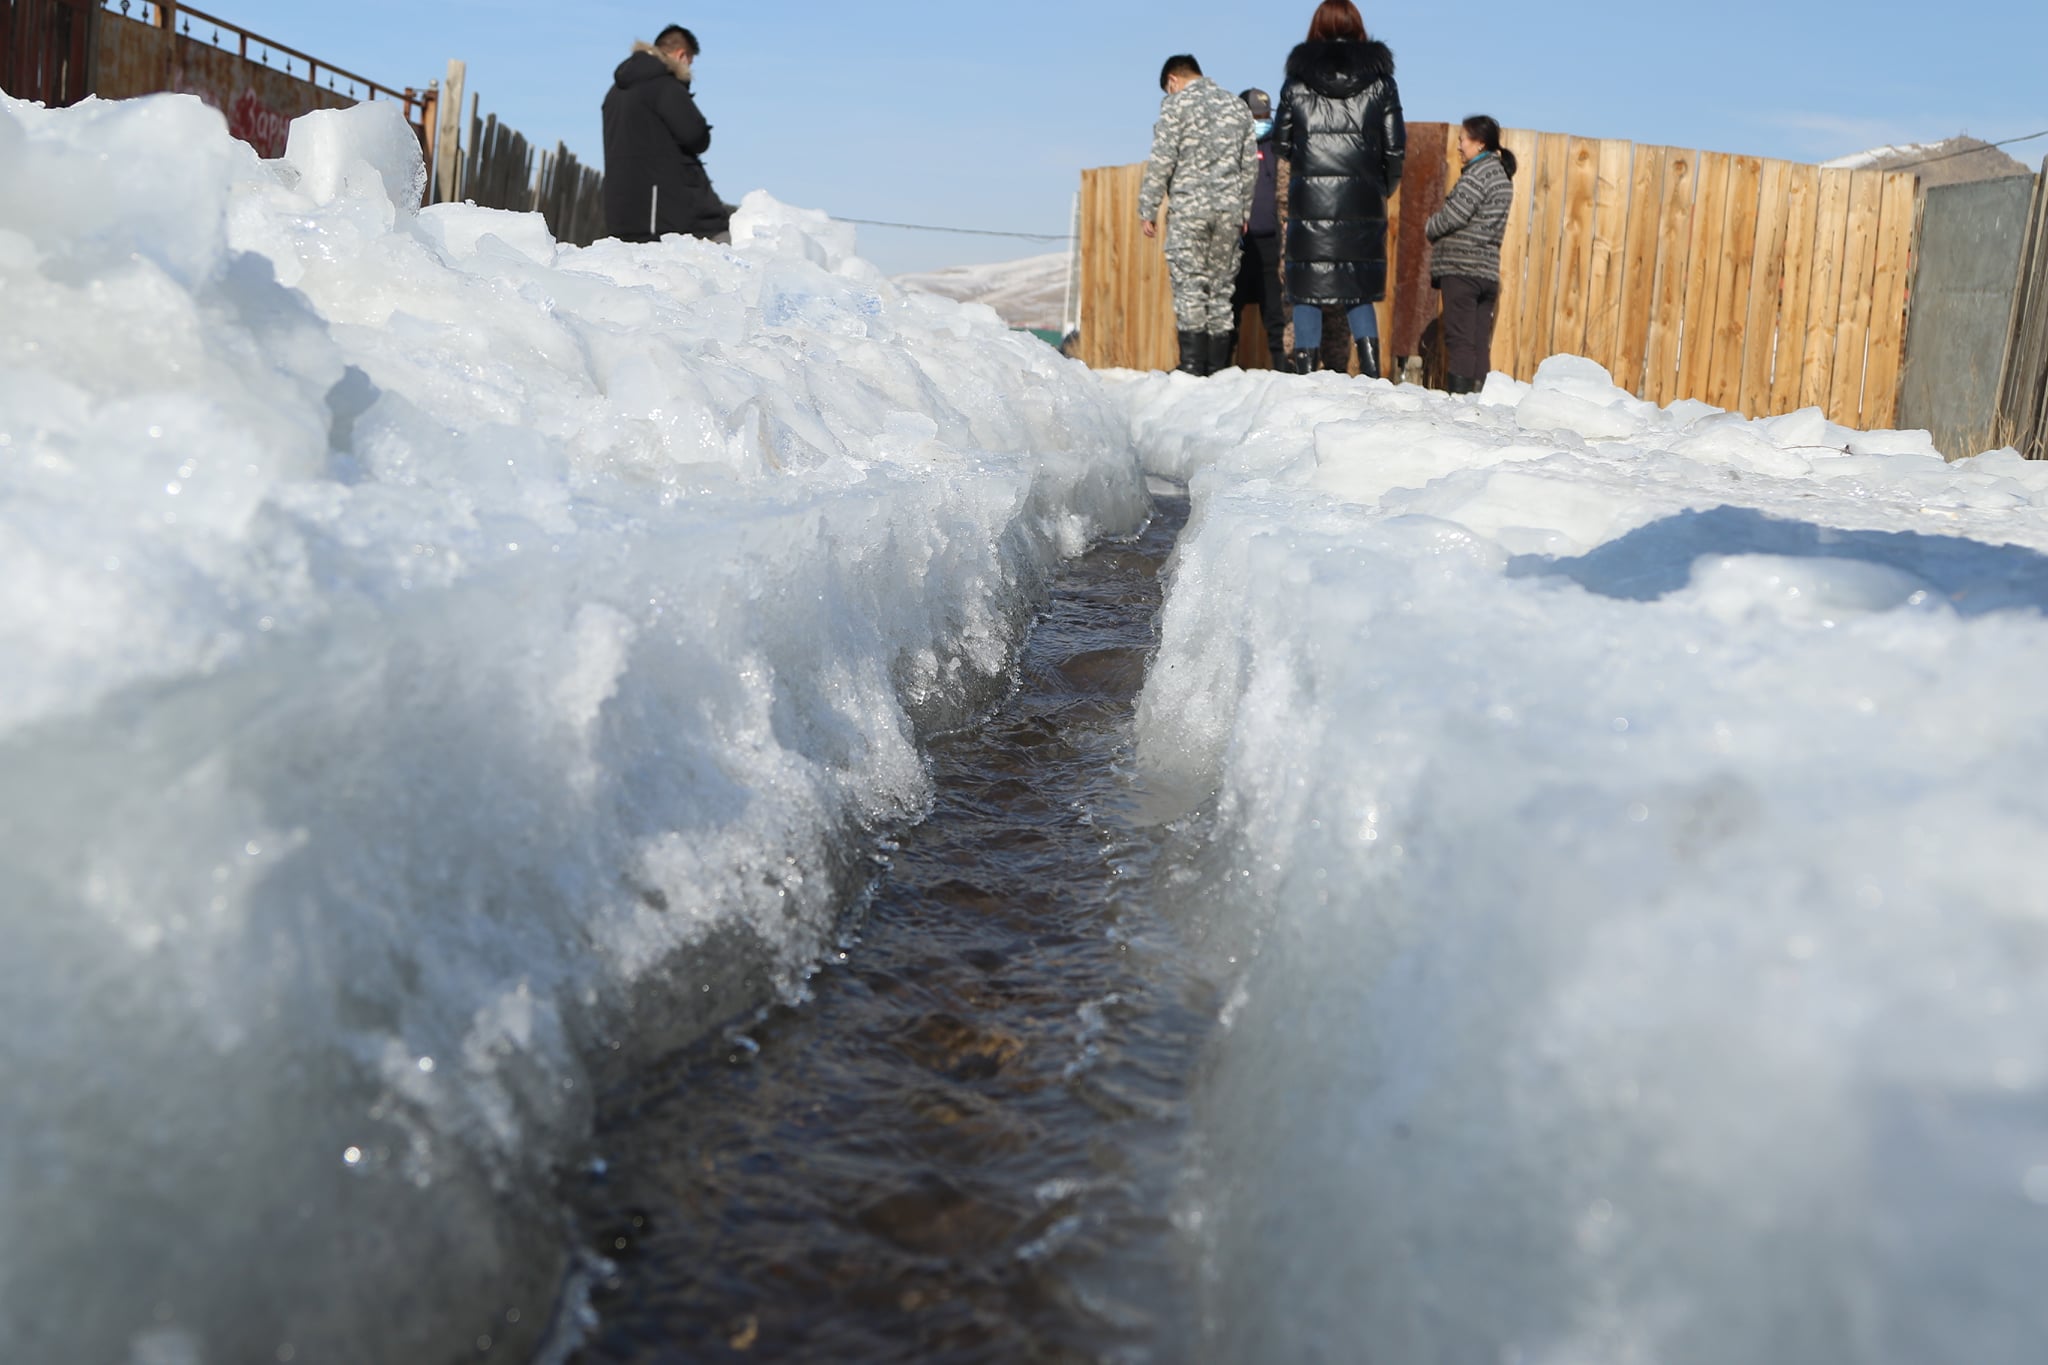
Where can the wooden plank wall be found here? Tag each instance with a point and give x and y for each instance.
(1756, 285)
(1126, 301)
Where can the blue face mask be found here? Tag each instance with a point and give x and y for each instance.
(1263, 127)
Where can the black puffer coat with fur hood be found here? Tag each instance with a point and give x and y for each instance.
(1339, 127)
(654, 139)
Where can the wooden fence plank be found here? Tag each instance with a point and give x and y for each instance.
(1514, 252)
(1383, 307)
(1802, 203)
(1767, 281)
(1703, 275)
(1731, 293)
(446, 186)
(1824, 294)
(1609, 254)
(1897, 232)
(1099, 250)
(1859, 269)
(1674, 247)
(1546, 221)
(1639, 265)
(1575, 246)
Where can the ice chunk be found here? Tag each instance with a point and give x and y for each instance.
(156, 189)
(366, 150)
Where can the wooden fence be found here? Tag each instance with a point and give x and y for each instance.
(500, 173)
(1758, 286)
(494, 167)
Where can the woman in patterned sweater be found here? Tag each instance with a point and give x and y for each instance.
(1465, 261)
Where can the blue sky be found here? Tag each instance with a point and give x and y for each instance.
(977, 115)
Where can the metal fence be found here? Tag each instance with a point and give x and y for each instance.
(227, 36)
(1966, 269)
(46, 49)
(2023, 382)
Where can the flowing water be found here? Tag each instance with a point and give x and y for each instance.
(963, 1145)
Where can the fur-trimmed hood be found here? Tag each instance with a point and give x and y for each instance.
(649, 62)
(1340, 69)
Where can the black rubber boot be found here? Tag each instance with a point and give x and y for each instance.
(1369, 357)
(1304, 361)
(1193, 348)
(1458, 383)
(1222, 351)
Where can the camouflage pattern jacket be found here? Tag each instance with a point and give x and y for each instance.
(1205, 153)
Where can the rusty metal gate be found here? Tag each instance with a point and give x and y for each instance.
(47, 49)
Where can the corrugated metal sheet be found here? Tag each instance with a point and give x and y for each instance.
(1970, 239)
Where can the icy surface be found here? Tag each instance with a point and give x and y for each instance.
(1632, 823)
(1031, 292)
(433, 659)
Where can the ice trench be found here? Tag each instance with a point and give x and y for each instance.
(1583, 900)
(965, 1141)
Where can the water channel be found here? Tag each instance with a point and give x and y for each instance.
(964, 1145)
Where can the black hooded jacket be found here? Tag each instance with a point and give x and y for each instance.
(653, 137)
(1339, 127)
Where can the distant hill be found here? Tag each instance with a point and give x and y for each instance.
(1025, 293)
(1951, 161)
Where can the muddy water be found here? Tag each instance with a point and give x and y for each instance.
(963, 1146)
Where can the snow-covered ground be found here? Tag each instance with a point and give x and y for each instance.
(1031, 292)
(1632, 819)
(434, 661)
(436, 664)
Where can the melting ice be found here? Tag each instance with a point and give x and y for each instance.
(1632, 821)
(437, 665)
(434, 662)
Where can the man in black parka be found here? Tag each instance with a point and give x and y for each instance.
(654, 182)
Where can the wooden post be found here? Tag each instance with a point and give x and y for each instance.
(447, 183)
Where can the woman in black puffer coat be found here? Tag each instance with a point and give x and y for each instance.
(1341, 139)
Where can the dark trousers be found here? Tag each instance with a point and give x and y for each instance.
(1258, 281)
(1469, 307)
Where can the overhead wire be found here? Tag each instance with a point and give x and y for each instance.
(964, 232)
(1068, 236)
(1965, 151)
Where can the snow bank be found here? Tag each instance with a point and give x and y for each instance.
(1634, 819)
(432, 659)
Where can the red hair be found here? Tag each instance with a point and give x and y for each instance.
(1336, 21)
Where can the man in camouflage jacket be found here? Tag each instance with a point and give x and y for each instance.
(1205, 156)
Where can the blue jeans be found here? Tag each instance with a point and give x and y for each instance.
(1308, 324)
